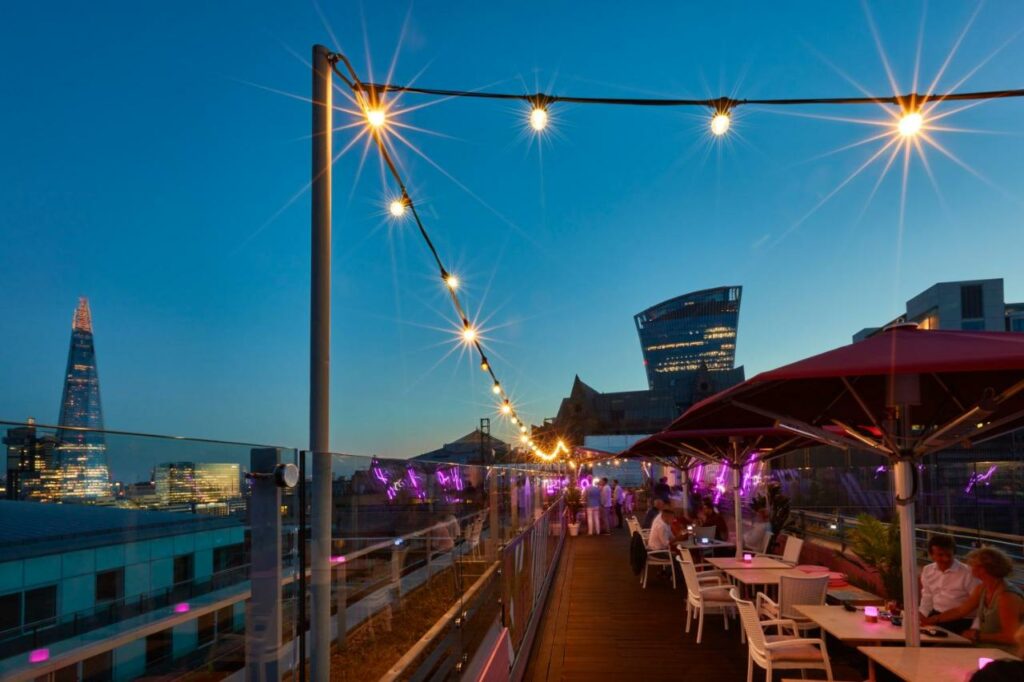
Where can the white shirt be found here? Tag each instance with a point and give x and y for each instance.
(661, 534)
(606, 496)
(754, 538)
(944, 590)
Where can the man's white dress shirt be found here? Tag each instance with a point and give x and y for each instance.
(944, 590)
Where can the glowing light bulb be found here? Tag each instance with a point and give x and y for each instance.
(910, 124)
(452, 282)
(506, 408)
(484, 366)
(539, 117)
(514, 420)
(522, 427)
(376, 117)
(469, 333)
(524, 439)
(397, 208)
(496, 388)
(720, 123)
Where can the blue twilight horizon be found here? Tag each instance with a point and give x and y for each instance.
(154, 157)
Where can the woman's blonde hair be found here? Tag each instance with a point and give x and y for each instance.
(995, 563)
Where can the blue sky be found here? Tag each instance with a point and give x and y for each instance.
(148, 153)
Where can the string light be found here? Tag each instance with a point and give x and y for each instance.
(397, 207)
(910, 123)
(720, 123)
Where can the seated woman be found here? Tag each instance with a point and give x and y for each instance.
(1000, 604)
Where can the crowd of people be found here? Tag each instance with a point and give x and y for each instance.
(607, 505)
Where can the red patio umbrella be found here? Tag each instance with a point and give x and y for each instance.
(904, 393)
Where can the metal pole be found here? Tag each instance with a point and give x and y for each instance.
(301, 541)
(319, 367)
(737, 509)
(904, 472)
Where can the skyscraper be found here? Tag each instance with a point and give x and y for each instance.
(688, 336)
(83, 454)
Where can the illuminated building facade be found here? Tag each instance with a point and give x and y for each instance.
(196, 483)
(684, 335)
(83, 461)
(33, 464)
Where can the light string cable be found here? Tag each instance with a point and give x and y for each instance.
(366, 97)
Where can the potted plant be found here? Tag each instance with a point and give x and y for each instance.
(574, 502)
(877, 544)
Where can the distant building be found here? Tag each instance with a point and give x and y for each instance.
(33, 464)
(476, 447)
(196, 483)
(973, 305)
(84, 473)
(688, 333)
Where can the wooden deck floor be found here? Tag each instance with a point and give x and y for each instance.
(600, 625)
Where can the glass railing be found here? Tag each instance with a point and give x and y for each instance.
(130, 555)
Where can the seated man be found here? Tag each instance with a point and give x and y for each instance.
(661, 536)
(656, 506)
(945, 584)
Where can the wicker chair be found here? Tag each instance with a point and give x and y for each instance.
(657, 557)
(790, 553)
(794, 591)
(705, 593)
(780, 651)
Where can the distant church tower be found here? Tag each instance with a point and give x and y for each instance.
(85, 476)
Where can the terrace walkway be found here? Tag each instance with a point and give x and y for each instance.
(600, 625)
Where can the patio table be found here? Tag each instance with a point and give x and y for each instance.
(758, 562)
(711, 544)
(934, 664)
(850, 627)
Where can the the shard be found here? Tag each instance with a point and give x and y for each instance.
(84, 476)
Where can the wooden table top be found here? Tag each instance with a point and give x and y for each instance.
(762, 576)
(934, 664)
(758, 562)
(850, 626)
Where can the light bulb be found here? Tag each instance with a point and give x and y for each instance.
(720, 123)
(910, 124)
(539, 117)
(484, 366)
(376, 117)
(452, 282)
(469, 333)
(496, 388)
(397, 208)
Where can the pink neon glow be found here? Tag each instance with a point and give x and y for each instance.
(748, 557)
(38, 655)
(183, 607)
(337, 559)
(982, 662)
(871, 613)
(980, 478)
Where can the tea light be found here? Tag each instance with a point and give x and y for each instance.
(982, 662)
(871, 614)
(748, 557)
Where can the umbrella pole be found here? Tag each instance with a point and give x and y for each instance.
(737, 510)
(904, 474)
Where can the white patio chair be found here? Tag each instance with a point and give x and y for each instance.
(705, 594)
(702, 567)
(781, 651)
(790, 553)
(794, 591)
(657, 557)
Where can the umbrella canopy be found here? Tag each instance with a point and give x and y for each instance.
(904, 392)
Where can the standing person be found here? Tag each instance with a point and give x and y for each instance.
(661, 488)
(778, 511)
(606, 506)
(999, 603)
(760, 530)
(618, 497)
(945, 583)
(593, 509)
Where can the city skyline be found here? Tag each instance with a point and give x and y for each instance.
(197, 264)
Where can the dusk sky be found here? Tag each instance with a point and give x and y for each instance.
(150, 154)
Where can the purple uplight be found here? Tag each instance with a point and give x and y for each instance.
(975, 479)
(183, 607)
(38, 655)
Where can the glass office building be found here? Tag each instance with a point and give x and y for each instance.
(688, 334)
(83, 454)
